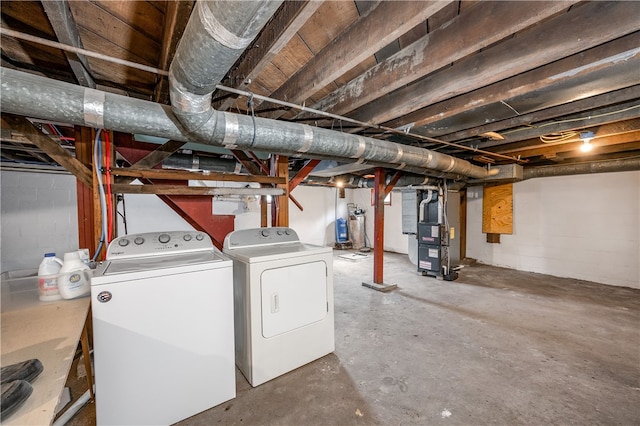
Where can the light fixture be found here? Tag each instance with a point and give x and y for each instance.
(586, 139)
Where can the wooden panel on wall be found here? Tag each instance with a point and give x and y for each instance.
(497, 209)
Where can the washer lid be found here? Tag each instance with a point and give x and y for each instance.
(275, 252)
(122, 266)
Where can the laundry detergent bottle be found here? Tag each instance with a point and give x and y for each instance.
(48, 278)
(75, 276)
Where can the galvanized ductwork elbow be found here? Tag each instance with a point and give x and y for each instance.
(216, 35)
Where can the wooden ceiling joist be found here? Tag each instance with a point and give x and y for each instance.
(575, 31)
(620, 112)
(175, 21)
(49, 147)
(361, 40)
(566, 74)
(291, 16)
(66, 30)
(575, 107)
(435, 50)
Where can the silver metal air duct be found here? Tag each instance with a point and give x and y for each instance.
(215, 36)
(610, 166)
(39, 97)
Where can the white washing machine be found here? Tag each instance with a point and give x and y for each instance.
(163, 329)
(283, 301)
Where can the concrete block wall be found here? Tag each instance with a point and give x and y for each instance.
(38, 215)
(584, 226)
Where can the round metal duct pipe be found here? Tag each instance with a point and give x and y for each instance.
(39, 97)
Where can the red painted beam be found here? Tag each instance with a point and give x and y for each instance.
(196, 210)
(396, 177)
(302, 174)
(378, 226)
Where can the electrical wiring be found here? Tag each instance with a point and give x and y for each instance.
(109, 195)
(59, 134)
(558, 137)
(97, 156)
(570, 120)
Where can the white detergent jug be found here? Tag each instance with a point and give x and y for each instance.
(48, 278)
(75, 276)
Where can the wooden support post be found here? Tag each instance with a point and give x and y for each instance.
(378, 226)
(282, 170)
(86, 231)
(378, 234)
(264, 220)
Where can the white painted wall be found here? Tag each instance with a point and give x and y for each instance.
(38, 215)
(316, 224)
(585, 227)
(394, 239)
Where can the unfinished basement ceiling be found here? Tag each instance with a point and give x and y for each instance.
(489, 82)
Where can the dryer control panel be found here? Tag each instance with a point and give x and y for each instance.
(260, 237)
(158, 243)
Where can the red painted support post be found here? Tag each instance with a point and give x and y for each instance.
(378, 227)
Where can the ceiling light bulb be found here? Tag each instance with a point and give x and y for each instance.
(586, 138)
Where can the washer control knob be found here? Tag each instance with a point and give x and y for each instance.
(123, 242)
(264, 233)
(199, 237)
(287, 232)
(138, 240)
(187, 237)
(164, 238)
(279, 232)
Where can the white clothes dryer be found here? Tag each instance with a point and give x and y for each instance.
(163, 329)
(283, 301)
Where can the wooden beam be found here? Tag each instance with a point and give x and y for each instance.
(394, 179)
(248, 163)
(302, 173)
(49, 146)
(192, 175)
(382, 25)
(177, 190)
(87, 235)
(601, 69)
(282, 171)
(627, 111)
(464, 35)
(378, 226)
(551, 150)
(590, 104)
(66, 30)
(583, 27)
(159, 155)
(175, 21)
(286, 22)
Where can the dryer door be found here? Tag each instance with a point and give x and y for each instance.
(293, 297)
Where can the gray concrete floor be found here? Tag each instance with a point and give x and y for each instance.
(496, 346)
